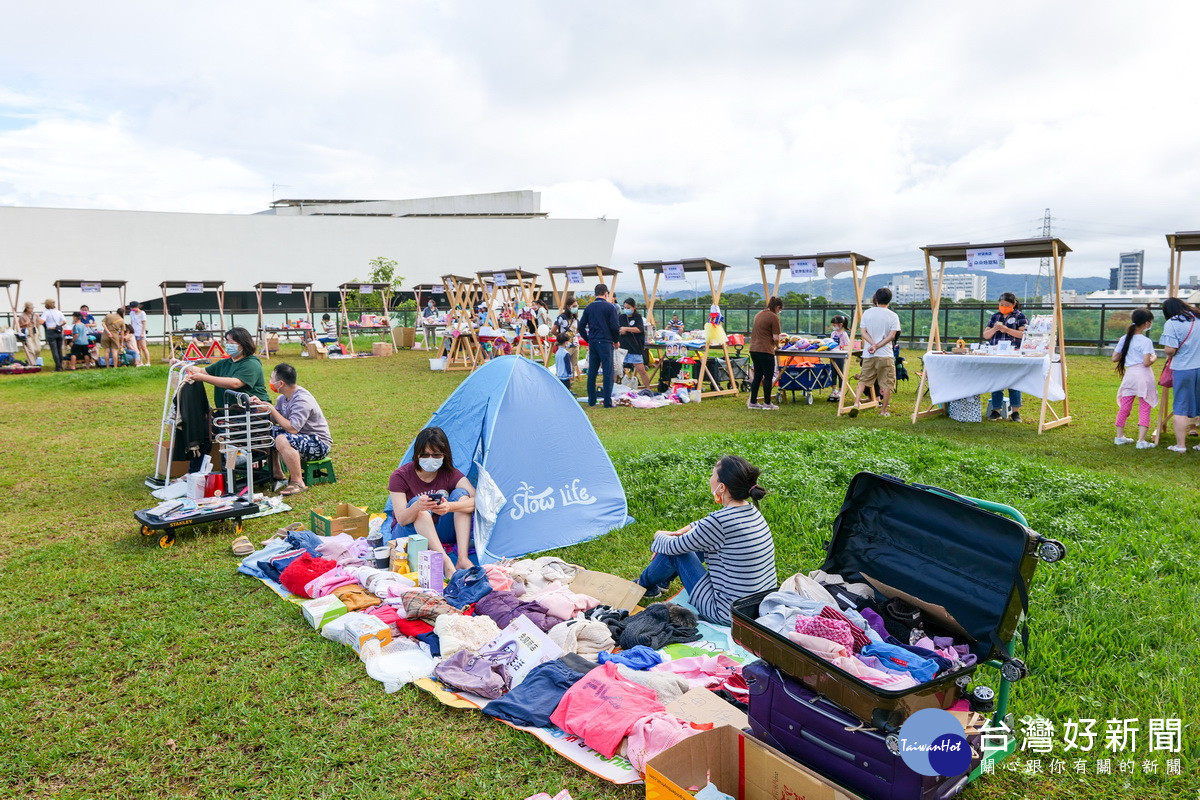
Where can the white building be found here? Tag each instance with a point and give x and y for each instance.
(323, 242)
(913, 289)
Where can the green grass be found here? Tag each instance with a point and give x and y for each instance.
(130, 671)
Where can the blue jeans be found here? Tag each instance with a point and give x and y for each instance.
(444, 525)
(662, 568)
(600, 356)
(1014, 399)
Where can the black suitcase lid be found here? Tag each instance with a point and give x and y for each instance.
(959, 562)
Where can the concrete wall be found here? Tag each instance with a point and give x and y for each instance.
(40, 245)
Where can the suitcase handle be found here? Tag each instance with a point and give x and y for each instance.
(819, 742)
(814, 704)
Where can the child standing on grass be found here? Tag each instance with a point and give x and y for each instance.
(838, 333)
(79, 340)
(1133, 354)
(563, 368)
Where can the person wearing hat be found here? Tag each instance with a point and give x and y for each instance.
(137, 321)
(27, 324)
(53, 320)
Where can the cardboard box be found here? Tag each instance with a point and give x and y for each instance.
(381, 349)
(407, 337)
(430, 569)
(701, 705)
(162, 457)
(344, 519)
(608, 589)
(316, 350)
(323, 610)
(362, 628)
(273, 343)
(739, 765)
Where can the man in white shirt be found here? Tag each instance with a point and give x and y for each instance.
(137, 321)
(880, 326)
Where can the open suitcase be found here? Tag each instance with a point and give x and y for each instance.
(966, 564)
(790, 717)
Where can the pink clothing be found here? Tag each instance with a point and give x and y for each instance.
(1125, 405)
(326, 583)
(655, 733)
(1139, 381)
(498, 579)
(711, 672)
(340, 548)
(835, 630)
(561, 601)
(875, 677)
(602, 707)
(819, 647)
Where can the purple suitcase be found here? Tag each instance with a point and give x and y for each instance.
(792, 718)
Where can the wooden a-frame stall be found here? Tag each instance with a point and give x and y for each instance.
(834, 263)
(216, 347)
(513, 287)
(605, 275)
(385, 292)
(465, 352)
(1180, 242)
(89, 287)
(422, 292)
(12, 287)
(1054, 249)
(289, 288)
(675, 271)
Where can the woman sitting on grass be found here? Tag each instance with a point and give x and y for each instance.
(734, 540)
(431, 498)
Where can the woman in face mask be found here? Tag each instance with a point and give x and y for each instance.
(430, 498)
(1006, 325)
(241, 372)
(633, 341)
(568, 322)
(725, 556)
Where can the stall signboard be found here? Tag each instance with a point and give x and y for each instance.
(802, 267)
(90, 287)
(365, 288)
(989, 258)
(193, 288)
(439, 289)
(500, 279)
(283, 288)
(574, 277)
(673, 272)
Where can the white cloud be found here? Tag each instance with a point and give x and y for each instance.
(718, 129)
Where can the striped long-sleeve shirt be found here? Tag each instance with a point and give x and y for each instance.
(736, 544)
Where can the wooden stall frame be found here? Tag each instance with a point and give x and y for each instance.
(216, 349)
(712, 269)
(259, 288)
(1054, 249)
(65, 284)
(859, 264)
(1179, 242)
(465, 352)
(419, 291)
(12, 287)
(385, 291)
(605, 275)
(524, 290)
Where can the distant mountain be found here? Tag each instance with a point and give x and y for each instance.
(843, 288)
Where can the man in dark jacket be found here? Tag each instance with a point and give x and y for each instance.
(600, 327)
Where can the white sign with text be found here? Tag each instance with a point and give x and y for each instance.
(990, 258)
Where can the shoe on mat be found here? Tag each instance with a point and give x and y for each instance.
(1177, 449)
(1144, 445)
(242, 546)
(1122, 440)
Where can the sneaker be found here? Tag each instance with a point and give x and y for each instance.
(994, 415)
(1015, 416)
(1196, 447)
(754, 406)
(770, 407)
(1177, 449)
(1144, 445)
(832, 399)
(1122, 440)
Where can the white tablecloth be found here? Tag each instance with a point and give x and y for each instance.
(953, 377)
(8, 342)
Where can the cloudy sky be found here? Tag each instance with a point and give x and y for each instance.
(721, 129)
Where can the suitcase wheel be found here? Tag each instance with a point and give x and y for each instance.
(1014, 670)
(166, 540)
(892, 740)
(982, 699)
(962, 682)
(808, 398)
(1051, 550)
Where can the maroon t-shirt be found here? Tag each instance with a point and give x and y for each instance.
(407, 481)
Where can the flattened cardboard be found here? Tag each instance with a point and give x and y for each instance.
(608, 589)
(739, 765)
(701, 705)
(939, 613)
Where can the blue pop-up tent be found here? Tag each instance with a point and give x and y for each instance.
(542, 478)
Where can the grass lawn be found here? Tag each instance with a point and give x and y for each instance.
(131, 671)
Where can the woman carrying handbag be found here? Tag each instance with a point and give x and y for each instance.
(1182, 372)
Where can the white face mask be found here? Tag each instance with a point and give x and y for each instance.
(430, 464)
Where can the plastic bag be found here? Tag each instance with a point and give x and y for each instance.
(396, 664)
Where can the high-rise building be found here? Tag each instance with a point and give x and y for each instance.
(912, 288)
(1128, 274)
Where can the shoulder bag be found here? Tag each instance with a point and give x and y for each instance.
(1168, 375)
